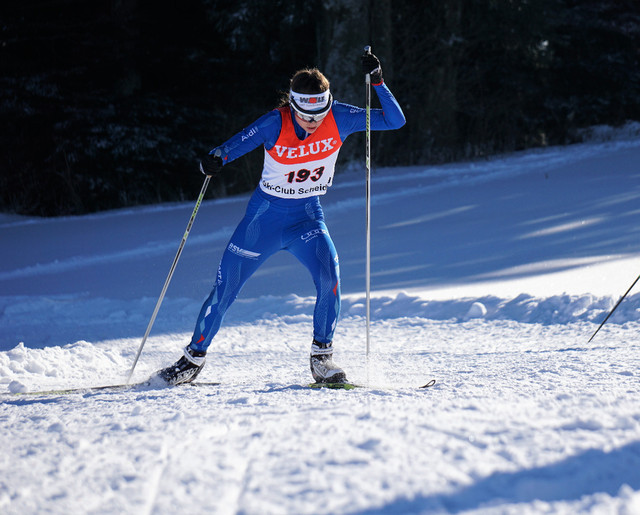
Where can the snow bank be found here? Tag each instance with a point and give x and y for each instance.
(489, 277)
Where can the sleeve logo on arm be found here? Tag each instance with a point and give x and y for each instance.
(248, 133)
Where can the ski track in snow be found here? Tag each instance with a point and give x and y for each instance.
(523, 418)
(527, 416)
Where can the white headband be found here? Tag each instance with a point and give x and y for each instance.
(307, 103)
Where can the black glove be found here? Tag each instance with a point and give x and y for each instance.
(211, 165)
(371, 64)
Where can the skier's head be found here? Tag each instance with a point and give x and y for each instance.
(309, 95)
(309, 80)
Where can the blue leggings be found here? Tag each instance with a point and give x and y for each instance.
(271, 224)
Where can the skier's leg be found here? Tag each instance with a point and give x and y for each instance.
(252, 242)
(315, 249)
(233, 273)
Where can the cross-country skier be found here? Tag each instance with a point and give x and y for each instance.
(301, 140)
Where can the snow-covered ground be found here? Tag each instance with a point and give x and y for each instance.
(489, 277)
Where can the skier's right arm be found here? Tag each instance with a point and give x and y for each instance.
(264, 131)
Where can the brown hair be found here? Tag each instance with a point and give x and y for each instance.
(307, 80)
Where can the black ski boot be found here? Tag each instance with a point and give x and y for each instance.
(185, 369)
(323, 369)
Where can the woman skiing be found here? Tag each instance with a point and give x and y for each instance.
(301, 140)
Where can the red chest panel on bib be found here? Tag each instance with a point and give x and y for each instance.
(296, 168)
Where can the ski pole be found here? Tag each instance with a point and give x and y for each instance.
(367, 50)
(171, 270)
(614, 308)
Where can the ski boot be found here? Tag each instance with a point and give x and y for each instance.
(185, 369)
(323, 369)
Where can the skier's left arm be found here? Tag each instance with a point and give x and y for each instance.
(391, 115)
(352, 119)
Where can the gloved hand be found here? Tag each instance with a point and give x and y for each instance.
(371, 64)
(211, 164)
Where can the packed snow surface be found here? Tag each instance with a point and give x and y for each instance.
(488, 276)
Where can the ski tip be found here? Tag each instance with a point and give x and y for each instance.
(429, 384)
(203, 384)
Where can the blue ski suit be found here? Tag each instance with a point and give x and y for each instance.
(273, 223)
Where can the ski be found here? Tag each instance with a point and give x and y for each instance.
(104, 388)
(351, 386)
(134, 386)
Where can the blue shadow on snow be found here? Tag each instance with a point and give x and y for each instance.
(593, 471)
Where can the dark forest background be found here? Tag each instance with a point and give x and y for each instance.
(109, 103)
